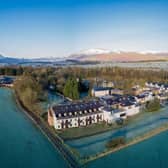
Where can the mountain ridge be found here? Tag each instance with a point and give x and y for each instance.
(94, 55)
(120, 56)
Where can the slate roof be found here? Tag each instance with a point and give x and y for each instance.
(77, 109)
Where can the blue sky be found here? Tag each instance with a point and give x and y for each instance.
(44, 28)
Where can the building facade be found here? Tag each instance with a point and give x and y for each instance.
(101, 91)
(75, 115)
(104, 91)
(95, 111)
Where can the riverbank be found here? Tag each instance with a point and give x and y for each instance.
(47, 131)
(134, 141)
(65, 98)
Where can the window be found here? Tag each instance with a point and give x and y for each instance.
(122, 115)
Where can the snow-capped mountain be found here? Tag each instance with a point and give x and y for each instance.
(93, 51)
(90, 55)
(119, 56)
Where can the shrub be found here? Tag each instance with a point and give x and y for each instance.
(153, 105)
(115, 142)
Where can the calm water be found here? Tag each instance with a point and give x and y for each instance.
(52, 99)
(22, 145)
(144, 65)
(152, 153)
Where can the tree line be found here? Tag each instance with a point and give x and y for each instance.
(34, 82)
(122, 78)
(11, 71)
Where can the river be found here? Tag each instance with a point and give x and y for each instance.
(22, 145)
(151, 153)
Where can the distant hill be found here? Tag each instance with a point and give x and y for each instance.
(18, 61)
(88, 56)
(118, 56)
(1, 56)
(9, 60)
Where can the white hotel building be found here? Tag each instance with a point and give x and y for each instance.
(75, 114)
(86, 113)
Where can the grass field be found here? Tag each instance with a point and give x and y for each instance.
(74, 133)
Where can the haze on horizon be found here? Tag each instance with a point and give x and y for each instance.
(44, 28)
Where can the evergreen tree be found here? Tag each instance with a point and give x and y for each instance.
(71, 88)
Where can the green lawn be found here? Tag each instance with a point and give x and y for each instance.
(74, 133)
(93, 129)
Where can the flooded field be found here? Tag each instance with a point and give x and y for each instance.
(142, 124)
